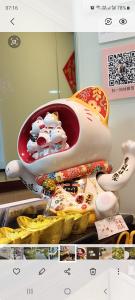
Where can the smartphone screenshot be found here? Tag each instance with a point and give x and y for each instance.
(67, 150)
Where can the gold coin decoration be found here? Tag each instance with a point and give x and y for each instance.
(49, 184)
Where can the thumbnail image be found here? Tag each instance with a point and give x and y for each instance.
(36, 253)
(118, 253)
(12, 253)
(81, 253)
(17, 253)
(105, 253)
(50, 253)
(92, 253)
(5, 253)
(53, 253)
(67, 253)
(130, 253)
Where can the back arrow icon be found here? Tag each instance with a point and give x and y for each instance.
(105, 291)
(11, 21)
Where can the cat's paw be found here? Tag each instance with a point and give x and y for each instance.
(107, 204)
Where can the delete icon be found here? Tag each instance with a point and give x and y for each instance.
(93, 271)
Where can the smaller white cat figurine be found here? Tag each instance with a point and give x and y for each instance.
(51, 120)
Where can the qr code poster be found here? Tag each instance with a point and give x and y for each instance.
(119, 71)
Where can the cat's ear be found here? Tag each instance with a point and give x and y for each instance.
(39, 118)
(56, 114)
(96, 100)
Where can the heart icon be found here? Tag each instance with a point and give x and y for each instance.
(16, 271)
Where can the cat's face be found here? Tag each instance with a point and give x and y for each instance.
(37, 126)
(88, 138)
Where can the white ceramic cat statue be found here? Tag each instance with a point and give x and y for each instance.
(37, 126)
(84, 119)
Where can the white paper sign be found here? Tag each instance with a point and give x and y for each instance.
(110, 226)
